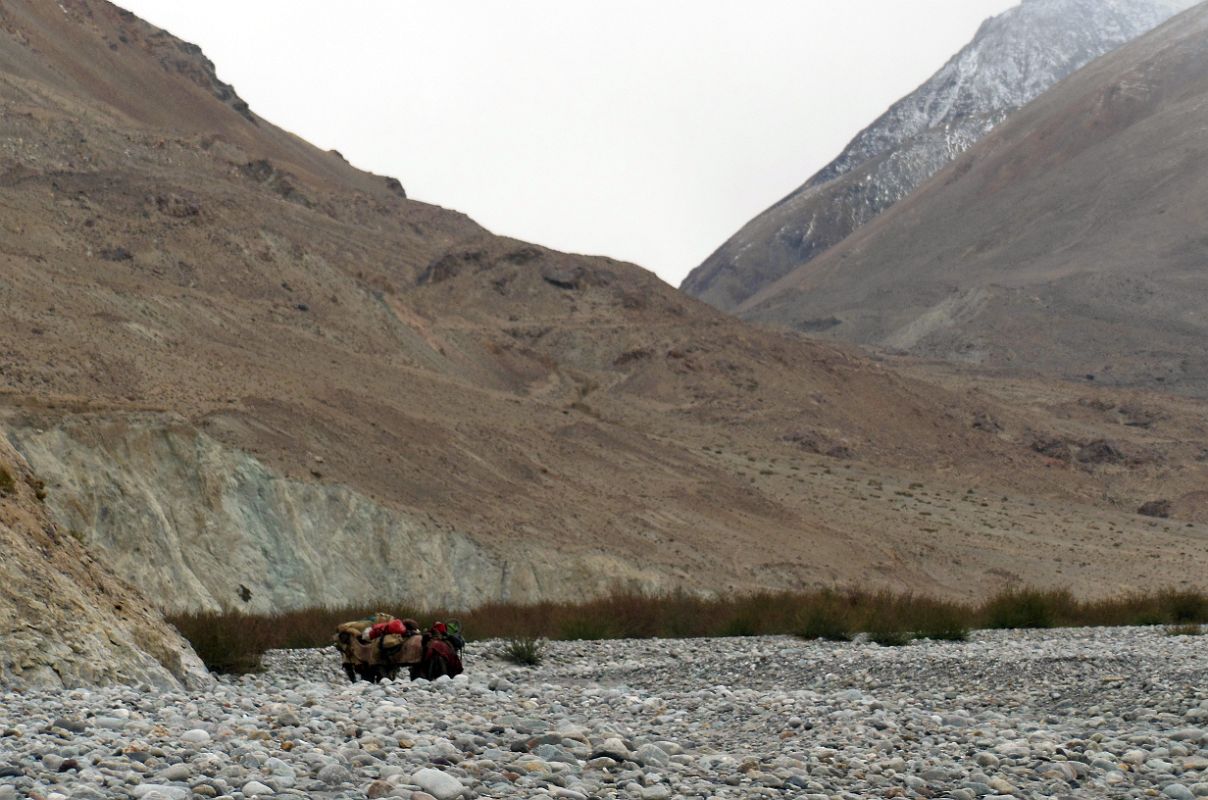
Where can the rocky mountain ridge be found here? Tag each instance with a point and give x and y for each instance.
(1013, 59)
(1064, 243)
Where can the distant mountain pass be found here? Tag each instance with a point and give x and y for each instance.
(1070, 241)
(1014, 58)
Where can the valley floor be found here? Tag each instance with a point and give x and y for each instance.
(1087, 713)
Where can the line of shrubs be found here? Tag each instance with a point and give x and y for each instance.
(232, 642)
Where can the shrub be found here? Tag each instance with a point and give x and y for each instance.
(1145, 619)
(824, 621)
(741, 624)
(1026, 608)
(678, 616)
(227, 643)
(890, 637)
(925, 617)
(943, 625)
(888, 618)
(585, 630)
(524, 651)
(1183, 607)
(232, 642)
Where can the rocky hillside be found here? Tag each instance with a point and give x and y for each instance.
(1068, 241)
(65, 619)
(1014, 58)
(254, 377)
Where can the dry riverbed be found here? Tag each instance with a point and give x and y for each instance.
(1067, 713)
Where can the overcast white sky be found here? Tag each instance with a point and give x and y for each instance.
(646, 130)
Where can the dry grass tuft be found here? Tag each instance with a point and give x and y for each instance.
(523, 651)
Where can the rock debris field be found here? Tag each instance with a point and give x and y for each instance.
(1066, 713)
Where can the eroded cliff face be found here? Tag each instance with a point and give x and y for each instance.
(65, 619)
(199, 525)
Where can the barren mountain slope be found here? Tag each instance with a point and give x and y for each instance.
(1069, 241)
(251, 375)
(1014, 58)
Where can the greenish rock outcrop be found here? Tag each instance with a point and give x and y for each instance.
(198, 525)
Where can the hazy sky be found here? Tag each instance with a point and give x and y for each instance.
(647, 130)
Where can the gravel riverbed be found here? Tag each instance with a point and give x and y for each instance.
(1088, 713)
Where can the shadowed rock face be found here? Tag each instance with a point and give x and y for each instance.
(1014, 58)
(1069, 241)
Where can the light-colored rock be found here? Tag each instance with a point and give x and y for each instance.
(1002, 786)
(143, 790)
(1135, 757)
(256, 789)
(614, 745)
(439, 784)
(176, 772)
(195, 736)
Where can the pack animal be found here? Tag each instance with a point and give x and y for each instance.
(381, 646)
